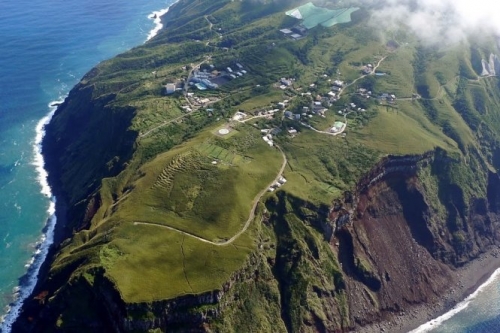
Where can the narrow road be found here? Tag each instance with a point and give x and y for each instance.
(251, 216)
(165, 124)
(193, 67)
(330, 133)
(365, 75)
(340, 93)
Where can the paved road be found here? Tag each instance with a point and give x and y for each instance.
(251, 216)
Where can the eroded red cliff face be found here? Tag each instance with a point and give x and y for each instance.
(388, 269)
(395, 249)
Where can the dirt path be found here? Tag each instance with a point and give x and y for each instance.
(365, 75)
(164, 124)
(251, 216)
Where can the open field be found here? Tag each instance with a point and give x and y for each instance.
(175, 264)
(183, 189)
(393, 131)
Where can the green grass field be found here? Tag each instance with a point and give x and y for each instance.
(183, 189)
(175, 264)
(395, 132)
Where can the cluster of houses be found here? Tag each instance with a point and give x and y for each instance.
(268, 138)
(239, 116)
(295, 33)
(240, 71)
(385, 97)
(286, 83)
(198, 101)
(364, 93)
(281, 181)
(351, 107)
(202, 79)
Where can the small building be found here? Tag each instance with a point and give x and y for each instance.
(200, 86)
(296, 36)
(286, 82)
(286, 31)
(288, 114)
(170, 88)
(338, 83)
(300, 29)
(337, 127)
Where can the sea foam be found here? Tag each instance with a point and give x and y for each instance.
(42, 248)
(429, 326)
(156, 17)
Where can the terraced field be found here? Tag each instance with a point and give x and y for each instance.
(221, 154)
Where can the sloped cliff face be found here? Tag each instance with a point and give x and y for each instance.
(86, 141)
(397, 249)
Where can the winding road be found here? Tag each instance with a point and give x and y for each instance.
(251, 216)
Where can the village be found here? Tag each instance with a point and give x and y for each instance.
(304, 106)
(325, 106)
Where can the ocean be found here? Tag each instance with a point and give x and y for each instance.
(479, 313)
(46, 47)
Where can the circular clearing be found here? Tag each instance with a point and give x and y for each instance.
(223, 131)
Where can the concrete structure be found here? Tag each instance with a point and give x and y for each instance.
(286, 82)
(286, 31)
(170, 88)
(223, 131)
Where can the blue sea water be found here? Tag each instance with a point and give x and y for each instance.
(479, 313)
(45, 48)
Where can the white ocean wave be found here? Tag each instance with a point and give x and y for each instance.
(156, 17)
(46, 240)
(429, 326)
